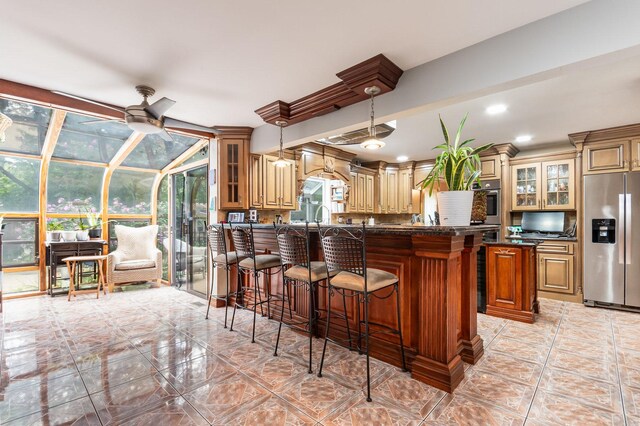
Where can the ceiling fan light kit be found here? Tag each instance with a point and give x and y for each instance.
(147, 118)
(372, 143)
(281, 161)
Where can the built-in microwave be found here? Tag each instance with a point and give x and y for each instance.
(493, 200)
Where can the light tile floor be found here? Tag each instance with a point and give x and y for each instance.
(149, 358)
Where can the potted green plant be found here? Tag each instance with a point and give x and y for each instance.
(82, 230)
(95, 225)
(54, 229)
(458, 166)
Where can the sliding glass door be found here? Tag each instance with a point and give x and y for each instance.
(189, 252)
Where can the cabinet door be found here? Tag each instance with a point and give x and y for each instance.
(232, 174)
(525, 187)
(404, 191)
(490, 167)
(606, 157)
(255, 182)
(353, 197)
(555, 273)
(288, 186)
(504, 277)
(558, 185)
(361, 188)
(382, 192)
(392, 191)
(369, 194)
(271, 183)
(635, 155)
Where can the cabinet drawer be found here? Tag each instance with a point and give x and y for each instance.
(556, 247)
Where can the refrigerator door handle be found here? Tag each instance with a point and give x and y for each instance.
(627, 228)
(621, 235)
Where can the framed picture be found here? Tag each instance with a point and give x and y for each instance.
(235, 217)
(337, 193)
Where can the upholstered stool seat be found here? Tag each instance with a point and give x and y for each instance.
(376, 279)
(262, 261)
(300, 273)
(231, 258)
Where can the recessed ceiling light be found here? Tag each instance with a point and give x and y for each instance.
(402, 158)
(523, 138)
(496, 109)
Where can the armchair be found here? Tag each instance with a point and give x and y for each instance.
(136, 258)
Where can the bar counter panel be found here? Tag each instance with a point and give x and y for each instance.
(437, 288)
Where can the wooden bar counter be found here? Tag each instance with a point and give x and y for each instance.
(438, 279)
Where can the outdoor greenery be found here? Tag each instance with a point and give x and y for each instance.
(130, 192)
(458, 164)
(19, 180)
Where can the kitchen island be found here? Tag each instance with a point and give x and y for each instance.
(437, 270)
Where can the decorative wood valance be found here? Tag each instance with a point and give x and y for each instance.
(378, 71)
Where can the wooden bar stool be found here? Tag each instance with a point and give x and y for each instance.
(72, 263)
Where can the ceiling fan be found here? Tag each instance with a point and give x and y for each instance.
(147, 118)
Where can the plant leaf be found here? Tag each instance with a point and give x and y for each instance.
(445, 133)
(459, 132)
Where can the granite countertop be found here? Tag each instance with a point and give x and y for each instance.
(403, 229)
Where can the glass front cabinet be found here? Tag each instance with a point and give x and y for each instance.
(549, 185)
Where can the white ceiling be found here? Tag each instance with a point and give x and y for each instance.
(601, 96)
(221, 60)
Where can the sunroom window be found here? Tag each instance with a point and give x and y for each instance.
(29, 129)
(130, 192)
(155, 153)
(74, 188)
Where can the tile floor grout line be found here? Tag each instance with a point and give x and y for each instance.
(615, 354)
(546, 361)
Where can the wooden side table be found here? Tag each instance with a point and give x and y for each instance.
(73, 261)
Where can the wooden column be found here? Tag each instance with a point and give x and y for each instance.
(438, 267)
(471, 347)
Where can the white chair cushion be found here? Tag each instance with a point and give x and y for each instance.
(137, 243)
(376, 279)
(300, 273)
(231, 255)
(263, 261)
(130, 265)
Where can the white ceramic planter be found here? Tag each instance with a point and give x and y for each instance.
(69, 235)
(82, 235)
(454, 207)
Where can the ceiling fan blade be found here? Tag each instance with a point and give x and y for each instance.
(160, 107)
(179, 124)
(100, 121)
(88, 100)
(165, 136)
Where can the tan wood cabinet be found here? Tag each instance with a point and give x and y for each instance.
(558, 185)
(405, 200)
(272, 187)
(391, 176)
(353, 196)
(635, 155)
(556, 267)
(233, 165)
(370, 192)
(548, 185)
(607, 157)
(511, 282)
(256, 176)
(525, 187)
(490, 167)
(361, 193)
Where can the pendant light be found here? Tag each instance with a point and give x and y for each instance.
(372, 142)
(281, 162)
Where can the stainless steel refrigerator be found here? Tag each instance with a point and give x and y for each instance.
(611, 263)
